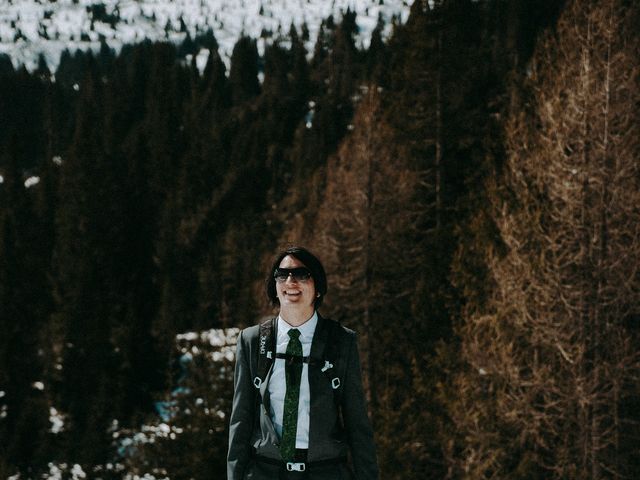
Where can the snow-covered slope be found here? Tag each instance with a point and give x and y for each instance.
(31, 27)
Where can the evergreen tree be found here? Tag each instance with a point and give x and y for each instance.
(179, 248)
(243, 76)
(299, 69)
(323, 43)
(164, 120)
(376, 57)
(335, 73)
(6, 66)
(42, 71)
(21, 117)
(84, 264)
(23, 295)
(140, 361)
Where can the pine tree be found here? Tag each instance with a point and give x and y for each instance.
(164, 120)
(23, 295)
(376, 56)
(243, 76)
(300, 81)
(140, 359)
(83, 267)
(6, 66)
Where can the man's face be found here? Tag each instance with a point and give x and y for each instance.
(294, 291)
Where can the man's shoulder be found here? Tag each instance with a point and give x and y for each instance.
(338, 329)
(253, 331)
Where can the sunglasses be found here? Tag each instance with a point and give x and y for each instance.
(299, 274)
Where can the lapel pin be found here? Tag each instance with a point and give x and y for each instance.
(327, 366)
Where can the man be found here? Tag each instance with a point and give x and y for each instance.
(306, 414)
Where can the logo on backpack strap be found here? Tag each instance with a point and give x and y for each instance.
(263, 344)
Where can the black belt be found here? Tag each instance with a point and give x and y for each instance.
(300, 464)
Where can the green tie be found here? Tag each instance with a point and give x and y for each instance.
(293, 372)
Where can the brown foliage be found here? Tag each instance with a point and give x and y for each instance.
(364, 224)
(549, 360)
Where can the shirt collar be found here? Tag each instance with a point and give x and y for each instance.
(307, 329)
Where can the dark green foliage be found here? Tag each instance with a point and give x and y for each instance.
(323, 41)
(98, 13)
(105, 57)
(188, 46)
(71, 68)
(42, 70)
(243, 76)
(6, 66)
(207, 40)
(376, 57)
(25, 299)
(21, 118)
(84, 252)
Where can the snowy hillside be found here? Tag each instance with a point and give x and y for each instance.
(29, 28)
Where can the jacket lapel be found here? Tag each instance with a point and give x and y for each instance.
(264, 390)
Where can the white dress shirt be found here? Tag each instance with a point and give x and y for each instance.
(278, 383)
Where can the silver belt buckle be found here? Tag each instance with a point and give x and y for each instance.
(296, 467)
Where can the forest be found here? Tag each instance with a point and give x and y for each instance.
(471, 184)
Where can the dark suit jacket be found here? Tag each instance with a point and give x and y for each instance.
(331, 433)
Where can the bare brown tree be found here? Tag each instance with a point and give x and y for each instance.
(362, 226)
(551, 361)
(365, 228)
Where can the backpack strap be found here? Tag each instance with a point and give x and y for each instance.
(293, 358)
(266, 351)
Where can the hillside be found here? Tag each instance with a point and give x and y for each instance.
(29, 28)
